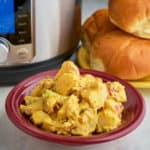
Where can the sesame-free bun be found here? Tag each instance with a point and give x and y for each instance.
(96, 24)
(122, 55)
(132, 16)
(115, 51)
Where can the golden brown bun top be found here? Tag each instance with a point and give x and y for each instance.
(131, 16)
(97, 23)
(122, 54)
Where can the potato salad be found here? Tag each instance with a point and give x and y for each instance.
(75, 104)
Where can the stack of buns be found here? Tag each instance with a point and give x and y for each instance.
(118, 39)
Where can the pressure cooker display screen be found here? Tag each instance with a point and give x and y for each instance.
(7, 17)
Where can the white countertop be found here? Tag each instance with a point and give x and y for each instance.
(11, 138)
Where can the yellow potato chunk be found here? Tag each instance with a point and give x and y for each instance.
(49, 125)
(36, 91)
(95, 96)
(87, 81)
(52, 100)
(29, 109)
(83, 106)
(57, 127)
(65, 83)
(86, 124)
(70, 109)
(114, 106)
(107, 120)
(46, 83)
(117, 91)
(31, 99)
(38, 117)
(67, 67)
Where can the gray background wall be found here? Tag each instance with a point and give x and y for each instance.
(89, 6)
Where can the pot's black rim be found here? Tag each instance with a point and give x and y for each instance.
(13, 75)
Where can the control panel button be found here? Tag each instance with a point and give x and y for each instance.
(21, 41)
(4, 50)
(20, 8)
(22, 32)
(22, 24)
(24, 38)
(22, 16)
(22, 53)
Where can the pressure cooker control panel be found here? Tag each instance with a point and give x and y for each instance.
(16, 27)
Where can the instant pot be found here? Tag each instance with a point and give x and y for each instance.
(36, 35)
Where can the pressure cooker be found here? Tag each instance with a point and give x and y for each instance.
(36, 35)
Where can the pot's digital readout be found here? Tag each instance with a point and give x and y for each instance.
(7, 17)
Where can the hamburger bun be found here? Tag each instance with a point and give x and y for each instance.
(115, 51)
(132, 16)
(121, 54)
(96, 24)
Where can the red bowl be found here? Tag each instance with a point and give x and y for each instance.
(134, 108)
